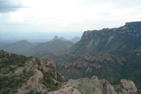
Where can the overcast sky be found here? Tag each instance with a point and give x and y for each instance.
(75, 16)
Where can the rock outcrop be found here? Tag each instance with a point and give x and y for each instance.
(96, 86)
(27, 75)
(66, 90)
(35, 83)
(126, 87)
(48, 66)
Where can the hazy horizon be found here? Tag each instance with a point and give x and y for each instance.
(44, 19)
(36, 36)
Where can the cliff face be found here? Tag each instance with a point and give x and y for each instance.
(125, 37)
(128, 28)
(111, 54)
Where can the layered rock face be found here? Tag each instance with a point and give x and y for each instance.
(109, 53)
(96, 86)
(107, 39)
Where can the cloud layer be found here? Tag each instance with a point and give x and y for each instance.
(10, 5)
(69, 15)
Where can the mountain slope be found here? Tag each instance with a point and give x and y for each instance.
(27, 75)
(126, 37)
(111, 54)
(51, 48)
(22, 47)
(31, 49)
(75, 39)
(2, 45)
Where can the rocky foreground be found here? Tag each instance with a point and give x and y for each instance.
(96, 86)
(28, 75)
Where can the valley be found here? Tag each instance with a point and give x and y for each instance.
(110, 53)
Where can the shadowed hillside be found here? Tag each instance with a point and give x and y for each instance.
(109, 53)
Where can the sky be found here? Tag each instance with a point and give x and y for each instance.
(43, 19)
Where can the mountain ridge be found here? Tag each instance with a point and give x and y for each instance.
(111, 54)
(27, 48)
(102, 38)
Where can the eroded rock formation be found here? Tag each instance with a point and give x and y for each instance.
(35, 83)
(96, 86)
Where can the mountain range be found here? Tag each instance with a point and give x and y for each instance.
(111, 54)
(24, 47)
(74, 40)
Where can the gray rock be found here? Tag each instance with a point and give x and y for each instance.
(96, 86)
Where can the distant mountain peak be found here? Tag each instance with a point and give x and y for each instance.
(23, 41)
(55, 37)
(61, 38)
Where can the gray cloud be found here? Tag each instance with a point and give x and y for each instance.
(10, 5)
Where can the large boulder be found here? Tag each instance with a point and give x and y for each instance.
(126, 87)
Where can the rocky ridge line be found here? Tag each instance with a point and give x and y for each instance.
(96, 86)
